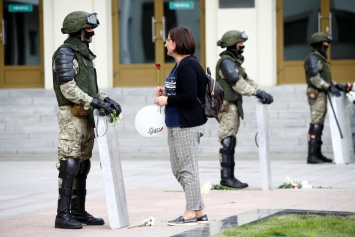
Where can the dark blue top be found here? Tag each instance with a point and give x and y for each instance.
(191, 83)
(171, 112)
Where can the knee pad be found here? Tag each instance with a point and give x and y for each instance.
(316, 129)
(84, 169)
(69, 168)
(228, 144)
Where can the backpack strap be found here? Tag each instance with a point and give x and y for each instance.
(208, 81)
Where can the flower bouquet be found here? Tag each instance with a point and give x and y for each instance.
(294, 184)
(114, 118)
(350, 88)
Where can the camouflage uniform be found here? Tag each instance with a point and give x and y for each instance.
(232, 103)
(319, 84)
(75, 86)
(235, 83)
(76, 133)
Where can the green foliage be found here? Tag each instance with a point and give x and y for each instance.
(221, 187)
(293, 225)
(114, 118)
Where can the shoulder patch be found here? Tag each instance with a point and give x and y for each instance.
(75, 66)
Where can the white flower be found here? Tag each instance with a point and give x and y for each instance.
(351, 96)
(287, 180)
(147, 222)
(115, 119)
(206, 188)
(151, 221)
(305, 184)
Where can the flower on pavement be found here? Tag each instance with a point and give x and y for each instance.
(294, 184)
(146, 222)
(206, 188)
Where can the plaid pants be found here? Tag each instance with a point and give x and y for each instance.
(183, 146)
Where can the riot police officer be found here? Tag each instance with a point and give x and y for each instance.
(236, 84)
(75, 86)
(319, 84)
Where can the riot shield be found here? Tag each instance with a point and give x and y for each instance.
(106, 135)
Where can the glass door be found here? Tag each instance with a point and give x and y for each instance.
(339, 21)
(21, 54)
(298, 20)
(140, 29)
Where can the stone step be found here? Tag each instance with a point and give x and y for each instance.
(28, 122)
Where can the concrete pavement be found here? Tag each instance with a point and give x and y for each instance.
(28, 193)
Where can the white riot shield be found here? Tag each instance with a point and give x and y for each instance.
(340, 129)
(106, 135)
(263, 143)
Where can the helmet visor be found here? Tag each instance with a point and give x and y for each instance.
(243, 36)
(92, 19)
(329, 38)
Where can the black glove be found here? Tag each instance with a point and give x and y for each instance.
(334, 91)
(100, 105)
(342, 87)
(264, 97)
(116, 106)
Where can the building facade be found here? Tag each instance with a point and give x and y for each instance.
(130, 38)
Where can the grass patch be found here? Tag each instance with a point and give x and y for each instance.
(296, 225)
(221, 187)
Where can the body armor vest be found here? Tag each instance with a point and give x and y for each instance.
(85, 78)
(231, 95)
(324, 72)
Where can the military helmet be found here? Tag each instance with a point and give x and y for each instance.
(79, 20)
(320, 37)
(230, 38)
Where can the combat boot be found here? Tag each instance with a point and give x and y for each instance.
(319, 145)
(78, 201)
(313, 136)
(228, 164)
(67, 172)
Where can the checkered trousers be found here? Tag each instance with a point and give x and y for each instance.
(183, 146)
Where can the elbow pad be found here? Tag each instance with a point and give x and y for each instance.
(312, 66)
(229, 71)
(64, 65)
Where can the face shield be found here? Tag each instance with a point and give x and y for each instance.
(243, 36)
(92, 19)
(329, 38)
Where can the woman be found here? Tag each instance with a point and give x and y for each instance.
(184, 119)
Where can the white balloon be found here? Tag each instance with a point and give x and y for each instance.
(150, 120)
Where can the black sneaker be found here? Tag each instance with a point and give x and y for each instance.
(202, 219)
(181, 221)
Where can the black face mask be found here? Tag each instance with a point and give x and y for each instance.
(89, 34)
(322, 49)
(240, 49)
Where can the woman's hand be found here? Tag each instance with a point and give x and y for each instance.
(160, 91)
(161, 100)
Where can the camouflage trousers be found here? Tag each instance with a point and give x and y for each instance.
(318, 106)
(76, 135)
(228, 120)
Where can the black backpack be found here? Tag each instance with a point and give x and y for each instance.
(213, 98)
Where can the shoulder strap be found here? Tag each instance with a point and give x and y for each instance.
(199, 101)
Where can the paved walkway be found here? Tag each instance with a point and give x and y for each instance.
(28, 193)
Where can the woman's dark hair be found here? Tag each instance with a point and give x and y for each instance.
(184, 40)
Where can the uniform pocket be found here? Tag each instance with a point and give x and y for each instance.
(225, 106)
(312, 93)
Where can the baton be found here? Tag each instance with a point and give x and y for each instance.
(331, 105)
